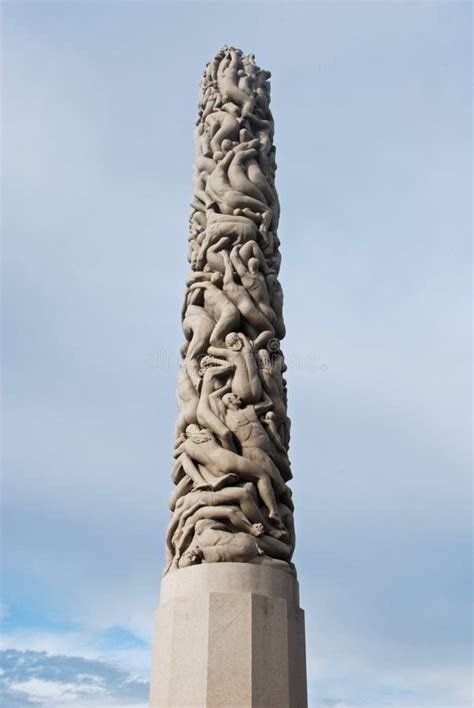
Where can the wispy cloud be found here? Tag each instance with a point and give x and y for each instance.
(115, 646)
(31, 678)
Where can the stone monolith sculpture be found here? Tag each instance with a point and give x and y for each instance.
(229, 630)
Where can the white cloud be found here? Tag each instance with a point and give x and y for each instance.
(105, 703)
(55, 692)
(53, 681)
(86, 644)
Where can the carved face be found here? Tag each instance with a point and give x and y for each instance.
(232, 401)
(191, 557)
(194, 433)
(233, 341)
(263, 359)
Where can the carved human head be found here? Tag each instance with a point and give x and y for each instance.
(234, 342)
(197, 434)
(217, 279)
(232, 401)
(205, 363)
(191, 557)
(263, 359)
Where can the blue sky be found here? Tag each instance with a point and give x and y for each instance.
(372, 109)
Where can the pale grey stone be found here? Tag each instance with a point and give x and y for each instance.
(233, 431)
(229, 635)
(229, 631)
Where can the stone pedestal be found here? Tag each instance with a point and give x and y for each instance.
(229, 635)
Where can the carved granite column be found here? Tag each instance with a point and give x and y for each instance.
(229, 629)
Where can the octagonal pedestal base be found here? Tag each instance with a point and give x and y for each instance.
(229, 635)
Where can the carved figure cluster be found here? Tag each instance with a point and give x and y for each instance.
(231, 501)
